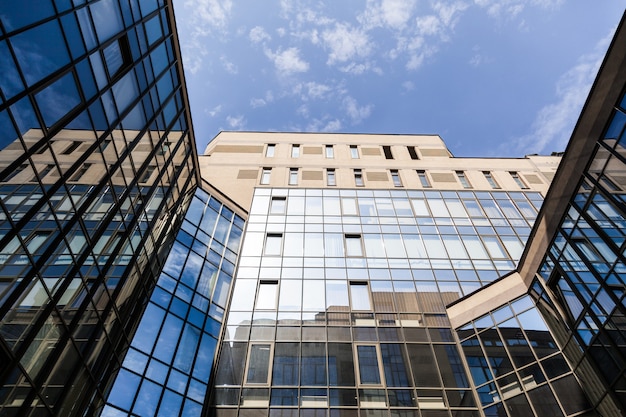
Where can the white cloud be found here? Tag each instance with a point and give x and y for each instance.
(212, 14)
(288, 62)
(262, 102)
(357, 114)
(228, 66)
(554, 123)
(236, 122)
(214, 111)
(346, 43)
(510, 9)
(393, 14)
(258, 34)
(332, 126)
(408, 85)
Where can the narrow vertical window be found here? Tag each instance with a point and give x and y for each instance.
(360, 295)
(269, 151)
(354, 246)
(412, 152)
(259, 363)
(79, 174)
(423, 179)
(293, 176)
(147, 173)
(358, 178)
(369, 369)
(295, 151)
(354, 152)
(267, 296)
(330, 151)
(395, 176)
(520, 183)
(387, 152)
(278, 205)
(489, 177)
(330, 177)
(273, 244)
(463, 179)
(43, 172)
(73, 146)
(265, 176)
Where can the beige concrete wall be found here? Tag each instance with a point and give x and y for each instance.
(233, 162)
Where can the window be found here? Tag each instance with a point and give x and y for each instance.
(354, 152)
(293, 176)
(269, 151)
(358, 178)
(259, 363)
(368, 365)
(79, 174)
(44, 172)
(330, 177)
(360, 295)
(353, 245)
(117, 56)
(492, 182)
(412, 152)
(387, 152)
(273, 244)
(147, 173)
(395, 176)
(278, 205)
(267, 296)
(295, 151)
(330, 151)
(521, 184)
(73, 146)
(463, 179)
(265, 176)
(423, 179)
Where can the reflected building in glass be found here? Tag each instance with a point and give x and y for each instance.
(287, 274)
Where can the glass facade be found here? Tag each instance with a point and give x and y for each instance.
(339, 304)
(97, 165)
(586, 269)
(167, 368)
(517, 366)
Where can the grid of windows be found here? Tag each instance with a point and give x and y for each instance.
(516, 364)
(357, 317)
(80, 234)
(585, 266)
(171, 353)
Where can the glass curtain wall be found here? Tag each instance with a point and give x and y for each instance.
(339, 301)
(96, 159)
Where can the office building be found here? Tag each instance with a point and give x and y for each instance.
(287, 274)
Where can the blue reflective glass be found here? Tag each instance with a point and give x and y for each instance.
(123, 392)
(17, 14)
(166, 344)
(72, 34)
(40, 51)
(56, 100)
(147, 399)
(106, 19)
(10, 81)
(170, 404)
(7, 132)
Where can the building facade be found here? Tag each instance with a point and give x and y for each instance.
(287, 274)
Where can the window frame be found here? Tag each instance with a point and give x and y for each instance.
(329, 151)
(270, 363)
(463, 179)
(331, 177)
(353, 237)
(293, 176)
(270, 306)
(358, 177)
(518, 180)
(272, 208)
(395, 177)
(413, 152)
(357, 365)
(295, 150)
(280, 245)
(266, 176)
(423, 178)
(270, 150)
(354, 152)
(491, 180)
(387, 152)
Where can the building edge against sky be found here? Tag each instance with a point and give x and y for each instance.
(332, 274)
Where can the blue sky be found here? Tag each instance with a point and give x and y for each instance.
(491, 77)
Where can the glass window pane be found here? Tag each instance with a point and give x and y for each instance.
(340, 364)
(353, 245)
(258, 364)
(369, 371)
(359, 296)
(285, 368)
(266, 299)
